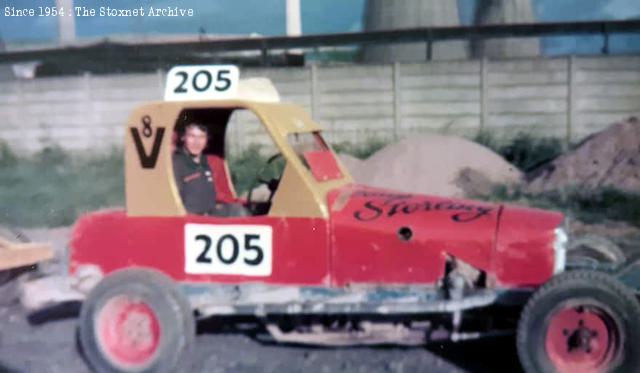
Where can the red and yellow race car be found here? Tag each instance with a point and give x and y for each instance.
(324, 260)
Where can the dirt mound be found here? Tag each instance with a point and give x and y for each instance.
(353, 164)
(610, 158)
(435, 164)
(474, 183)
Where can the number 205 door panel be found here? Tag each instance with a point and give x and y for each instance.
(207, 249)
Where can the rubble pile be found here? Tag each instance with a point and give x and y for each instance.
(610, 158)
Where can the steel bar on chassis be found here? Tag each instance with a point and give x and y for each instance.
(261, 300)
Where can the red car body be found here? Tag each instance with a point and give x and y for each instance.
(358, 244)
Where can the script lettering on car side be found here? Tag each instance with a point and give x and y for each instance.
(386, 205)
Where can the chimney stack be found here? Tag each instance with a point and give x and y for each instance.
(66, 24)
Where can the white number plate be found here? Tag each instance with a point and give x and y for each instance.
(228, 249)
(206, 82)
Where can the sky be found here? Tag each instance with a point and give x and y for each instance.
(267, 17)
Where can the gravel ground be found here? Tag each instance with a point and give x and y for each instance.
(50, 348)
(47, 345)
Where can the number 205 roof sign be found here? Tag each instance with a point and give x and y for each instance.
(202, 82)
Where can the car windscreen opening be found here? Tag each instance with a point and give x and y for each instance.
(315, 155)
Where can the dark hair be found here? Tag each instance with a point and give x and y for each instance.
(197, 125)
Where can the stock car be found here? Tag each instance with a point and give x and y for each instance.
(323, 260)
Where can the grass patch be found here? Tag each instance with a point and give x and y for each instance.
(250, 165)
(7, 157)
(589, 206)
(363, 150)
(53, 188)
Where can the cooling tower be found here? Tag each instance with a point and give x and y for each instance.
(387, 15)
(505, 12)
(398, 14)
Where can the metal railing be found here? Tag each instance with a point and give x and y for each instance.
(170, 50)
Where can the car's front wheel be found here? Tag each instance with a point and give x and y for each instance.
(135, 320)
(580, 321)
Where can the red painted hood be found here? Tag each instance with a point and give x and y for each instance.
(386, 236)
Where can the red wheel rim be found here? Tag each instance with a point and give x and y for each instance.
(581, 339)
(128, 331)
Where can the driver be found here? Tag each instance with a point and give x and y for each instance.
(194, 178)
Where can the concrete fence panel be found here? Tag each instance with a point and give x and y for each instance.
(565, 97)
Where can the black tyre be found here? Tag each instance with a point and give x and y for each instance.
(135, 320)
(595, 250)
(580, 321)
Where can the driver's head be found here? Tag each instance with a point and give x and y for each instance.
(195, 138)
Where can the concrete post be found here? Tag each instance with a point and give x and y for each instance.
(87, 86)
(484, 93)
(86, 77)
(161, 80)
(313, 77)
(66, 23)
(294, 22)
(571, 99)
(397, 100)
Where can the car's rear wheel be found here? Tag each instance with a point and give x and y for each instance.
(581, 321)
(135, 320)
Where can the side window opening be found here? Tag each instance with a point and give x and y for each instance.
(199, 164)
(233, 175)
(255, 162)
(216, 121)
(315, 155)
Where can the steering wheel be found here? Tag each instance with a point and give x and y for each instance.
(272, 184)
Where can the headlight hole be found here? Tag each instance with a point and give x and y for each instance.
(405, 233)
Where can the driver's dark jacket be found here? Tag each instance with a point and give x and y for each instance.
(195, 183)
